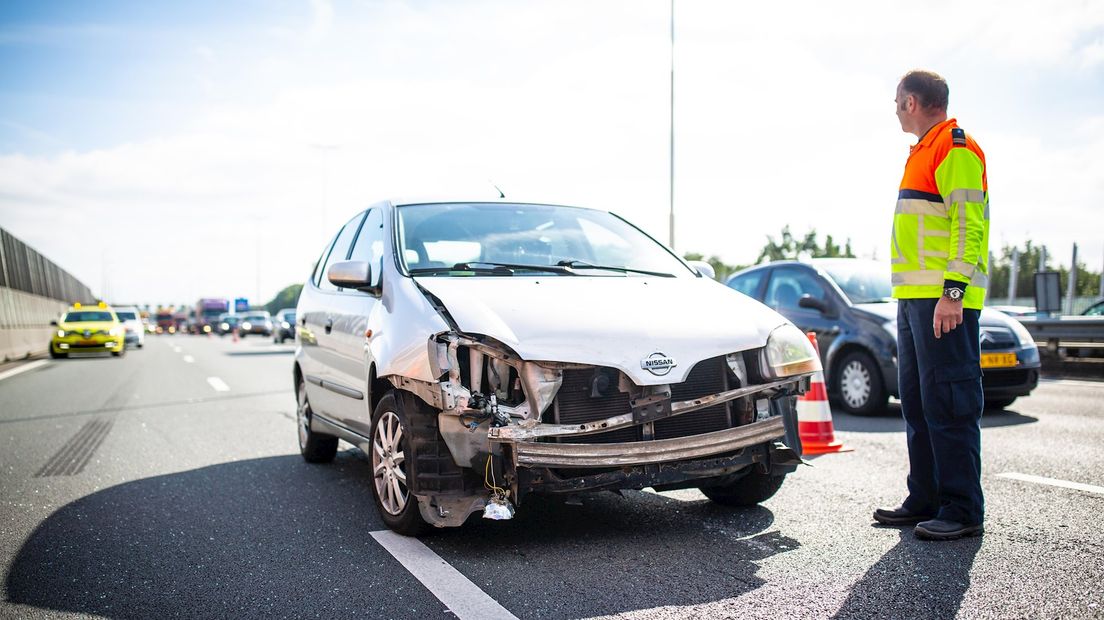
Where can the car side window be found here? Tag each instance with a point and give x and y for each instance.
(340, 250)
(748, 283)
(369, 244)
(788, 285)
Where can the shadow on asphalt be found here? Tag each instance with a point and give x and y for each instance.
(929, 579)
(276, 536)
(892, 422)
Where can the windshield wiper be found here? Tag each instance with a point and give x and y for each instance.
(506, 269)
(579, 264)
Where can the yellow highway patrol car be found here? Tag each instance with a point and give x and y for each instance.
(91, 329)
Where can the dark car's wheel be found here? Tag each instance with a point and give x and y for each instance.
(857, 383)
(314, 446)
(999, 403)
(754, 488)
(392, 456)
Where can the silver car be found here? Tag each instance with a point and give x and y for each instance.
(131, 318)
(480, 352)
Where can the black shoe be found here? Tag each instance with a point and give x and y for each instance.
(938, 529)
(899, 516)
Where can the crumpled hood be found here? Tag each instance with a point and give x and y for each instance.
(608, 321)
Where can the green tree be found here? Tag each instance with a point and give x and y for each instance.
(1088, 282)
(286, 298)
(789, 247)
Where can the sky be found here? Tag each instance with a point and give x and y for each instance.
(166, 151)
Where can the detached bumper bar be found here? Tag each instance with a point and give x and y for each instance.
(539, 454)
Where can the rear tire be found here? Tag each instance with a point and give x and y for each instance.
(314, 446)
(394, 461)
(858, 386)
(752, 489)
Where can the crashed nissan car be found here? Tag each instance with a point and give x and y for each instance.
(480, 352)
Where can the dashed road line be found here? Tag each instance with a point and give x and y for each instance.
(188, 359)
(218, 384)
(1054, 482)
(177, 350)
(24, 368)
(462, 597)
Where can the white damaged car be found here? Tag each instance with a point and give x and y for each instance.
(480, 352)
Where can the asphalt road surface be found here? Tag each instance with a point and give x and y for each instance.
(168, 484)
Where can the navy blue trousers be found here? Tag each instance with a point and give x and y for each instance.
(942, 402)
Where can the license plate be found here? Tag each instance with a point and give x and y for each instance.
(998, 360)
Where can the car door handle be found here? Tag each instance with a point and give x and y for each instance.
(329, 325)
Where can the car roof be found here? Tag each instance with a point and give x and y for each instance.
(465, 199)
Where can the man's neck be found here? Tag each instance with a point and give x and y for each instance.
(927, 124)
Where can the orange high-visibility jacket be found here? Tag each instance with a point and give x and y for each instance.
(941, 224)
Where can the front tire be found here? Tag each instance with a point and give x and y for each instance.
(314, 446)
(752, 489)
(392, 457)
(858, 385)
(55, 355)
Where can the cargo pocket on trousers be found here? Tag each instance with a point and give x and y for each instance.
(959, 388)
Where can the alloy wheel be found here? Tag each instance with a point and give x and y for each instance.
(855, 384)
(389, 464)
(302, 416)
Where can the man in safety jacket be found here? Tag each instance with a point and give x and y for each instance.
(940, 255)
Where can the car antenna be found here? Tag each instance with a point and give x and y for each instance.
(500, 194)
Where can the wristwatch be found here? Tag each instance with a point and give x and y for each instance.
(952, 293)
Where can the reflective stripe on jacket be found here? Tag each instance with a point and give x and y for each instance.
(941, 225)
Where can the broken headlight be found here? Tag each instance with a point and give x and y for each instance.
(789, 352)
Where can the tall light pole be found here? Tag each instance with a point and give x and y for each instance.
(671, 182)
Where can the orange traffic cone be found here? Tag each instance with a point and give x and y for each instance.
(814, 417)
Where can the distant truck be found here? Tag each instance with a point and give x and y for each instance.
(166, 324)
(207, 313)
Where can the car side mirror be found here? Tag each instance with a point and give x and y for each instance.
(808, 301)
(705, 269)
(54, 323)
(354, 274)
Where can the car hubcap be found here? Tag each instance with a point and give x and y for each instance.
(389, 464)
(303, 417)
(855, 384)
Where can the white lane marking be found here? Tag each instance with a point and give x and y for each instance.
(218, 384)
(1054, 482)
(188, 359)
(681, 495)
(457, 592)
(23, 368)
(177, 349)
(1071, 382)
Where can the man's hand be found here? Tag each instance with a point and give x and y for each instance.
(948, 315)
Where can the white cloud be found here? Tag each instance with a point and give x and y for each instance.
(784, 116)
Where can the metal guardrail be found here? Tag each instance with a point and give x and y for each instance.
(1066, 331)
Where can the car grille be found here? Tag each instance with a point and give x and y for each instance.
(574, 405)
(997, 338)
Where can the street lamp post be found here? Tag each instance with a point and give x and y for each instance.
(671, 180)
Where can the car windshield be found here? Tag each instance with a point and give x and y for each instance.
(504, 239)
(862, 281)
(85, 316)
(127, 316)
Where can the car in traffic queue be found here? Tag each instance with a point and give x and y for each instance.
(479, 352)
(283, 325)
(255, 322)
(131, 319)
(846, 302)
(88, 329)
(227, 324)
